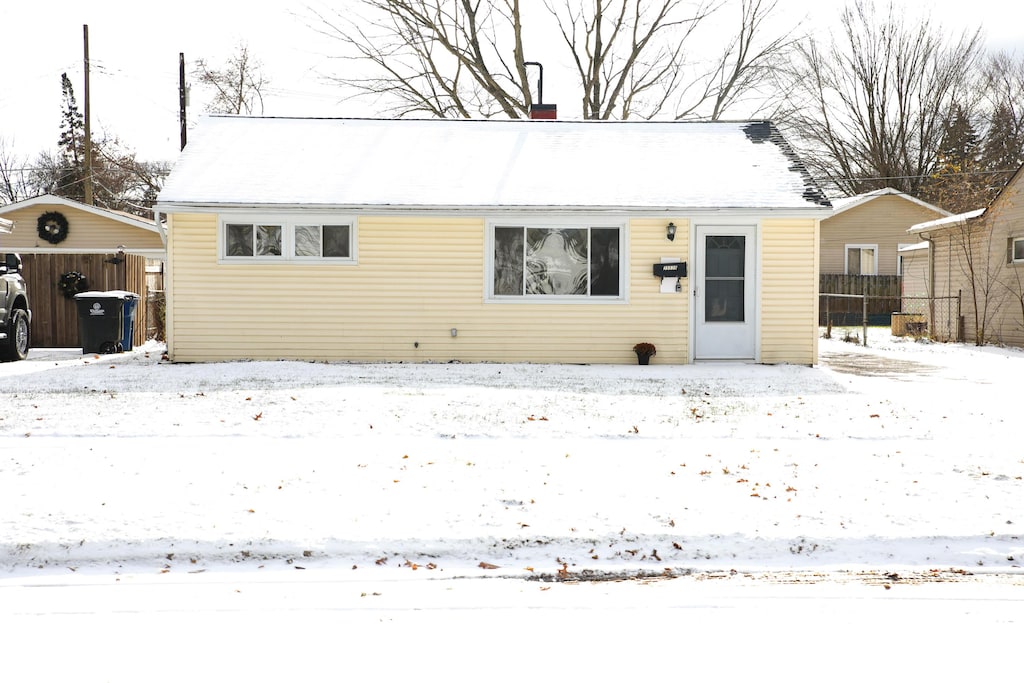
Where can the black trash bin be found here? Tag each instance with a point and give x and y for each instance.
(101, 323)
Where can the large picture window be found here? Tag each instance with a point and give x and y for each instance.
(291, 239)
(538, 261)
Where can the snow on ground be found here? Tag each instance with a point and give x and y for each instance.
(896, 457)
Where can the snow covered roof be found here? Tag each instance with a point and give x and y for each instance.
(462, 164)
(945, 222)
(847, 203)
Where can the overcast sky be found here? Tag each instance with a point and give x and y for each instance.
(134, 51)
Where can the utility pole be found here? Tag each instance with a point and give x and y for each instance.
(182, 97)
(88, 129)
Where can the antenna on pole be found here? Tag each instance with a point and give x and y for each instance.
(182, 98)
(88, 127)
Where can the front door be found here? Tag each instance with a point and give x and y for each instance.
(724, 292)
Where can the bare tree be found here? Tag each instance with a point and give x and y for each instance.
(628, 54)
(747, 63)
(13, 182)
(868, 109)
(442, 58)
(121, 182)
(1003, 93)
(466, 58)
(1003, 84)
(237, 86)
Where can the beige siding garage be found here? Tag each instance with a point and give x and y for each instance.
(95, 230)
(877, 221)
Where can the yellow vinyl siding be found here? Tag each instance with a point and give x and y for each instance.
(882, 220)
(789, 291)
(87, 232)
(415, 280)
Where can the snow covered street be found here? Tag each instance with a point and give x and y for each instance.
(331, 625)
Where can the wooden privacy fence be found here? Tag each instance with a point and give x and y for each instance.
(846, 306)
(55, 317)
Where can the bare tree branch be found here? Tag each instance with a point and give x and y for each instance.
(627, 53)
(868, 109)
(13, 184)
(467, 57)
(237, 86)
(441, 57)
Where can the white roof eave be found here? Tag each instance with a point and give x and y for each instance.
(948, 221)
(846, 203)
(202, 207)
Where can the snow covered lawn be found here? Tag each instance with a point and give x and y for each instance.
(902, 457)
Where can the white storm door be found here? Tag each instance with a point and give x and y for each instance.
(725, 291)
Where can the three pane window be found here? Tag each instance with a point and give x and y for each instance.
(285, 240)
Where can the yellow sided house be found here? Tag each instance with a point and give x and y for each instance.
(507, 241)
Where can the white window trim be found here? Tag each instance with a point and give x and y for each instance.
(621, 224)
(1013, 249)
(287, 223)
(846, 255)
(899, 256)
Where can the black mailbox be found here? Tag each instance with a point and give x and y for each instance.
(670, 269)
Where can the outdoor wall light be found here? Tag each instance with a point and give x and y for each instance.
(670, 232)
(455, 332)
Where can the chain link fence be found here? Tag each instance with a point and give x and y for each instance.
(936, 318)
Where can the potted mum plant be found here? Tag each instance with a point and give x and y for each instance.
(644, 351)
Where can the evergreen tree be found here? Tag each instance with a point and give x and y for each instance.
(64, 175)
(960, 146)
(120, 182)
(958, 183)
(72, 125)
(1004, 143)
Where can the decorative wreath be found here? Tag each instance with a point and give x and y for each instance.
(72, 283)
(52, 227)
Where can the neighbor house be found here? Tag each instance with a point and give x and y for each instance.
(861, 253)
(865, 233)
(975, 270)
(483, 240)
(66, 246)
